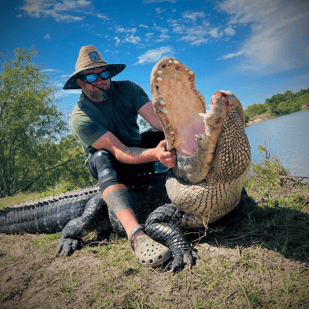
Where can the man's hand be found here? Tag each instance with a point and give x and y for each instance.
(168, 158)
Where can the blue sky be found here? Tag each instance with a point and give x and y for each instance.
(254, 48)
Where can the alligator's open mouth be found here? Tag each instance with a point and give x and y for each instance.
(178, 104)
(187, 126)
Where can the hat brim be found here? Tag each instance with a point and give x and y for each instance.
(114, 69)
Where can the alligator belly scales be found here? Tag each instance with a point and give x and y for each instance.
(213, 161)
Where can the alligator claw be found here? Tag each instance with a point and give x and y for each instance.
(67, 246)
(189, 257)
(180, 259)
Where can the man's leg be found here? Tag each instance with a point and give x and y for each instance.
(116, 196)
(149, 252)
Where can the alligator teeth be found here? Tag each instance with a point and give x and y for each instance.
(164, 110)
(159, 72)
(176, 62)
(159, 79)
(198, 136)
(162, 102)
(170, 61)
(190, 72)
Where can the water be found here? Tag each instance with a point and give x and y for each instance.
(288, 137)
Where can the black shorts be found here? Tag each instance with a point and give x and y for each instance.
(104, 167)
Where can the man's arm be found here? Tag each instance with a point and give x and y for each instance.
(148, 113)
(135, 155)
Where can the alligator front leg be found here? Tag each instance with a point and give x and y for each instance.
(78, 227)
(163, 225)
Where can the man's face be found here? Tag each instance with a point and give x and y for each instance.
(93, 93)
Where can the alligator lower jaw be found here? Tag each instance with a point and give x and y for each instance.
(194, 168)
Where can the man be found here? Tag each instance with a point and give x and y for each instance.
(105, 122)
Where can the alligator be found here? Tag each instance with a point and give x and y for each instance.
(213, 162)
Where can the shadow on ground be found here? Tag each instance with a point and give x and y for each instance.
(271, 224)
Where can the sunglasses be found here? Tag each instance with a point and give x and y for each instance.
(93, 77)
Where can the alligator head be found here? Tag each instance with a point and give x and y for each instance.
(213, 151)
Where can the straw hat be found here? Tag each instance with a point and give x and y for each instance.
(90, 58)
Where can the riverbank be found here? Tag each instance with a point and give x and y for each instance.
(260, 118)
(266, 116)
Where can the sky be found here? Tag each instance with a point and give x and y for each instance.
(254, 48)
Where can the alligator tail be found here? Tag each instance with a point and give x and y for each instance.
(48, 215)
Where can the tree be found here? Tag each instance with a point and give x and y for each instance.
(144, 124)
(29, 121)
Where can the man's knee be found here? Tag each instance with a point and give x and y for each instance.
(101, 167)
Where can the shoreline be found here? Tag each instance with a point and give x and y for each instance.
(267, 116)
(259, 119)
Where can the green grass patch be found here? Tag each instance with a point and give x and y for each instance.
(18, 199)
(45, 242)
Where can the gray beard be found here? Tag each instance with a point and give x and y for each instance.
(100, 96)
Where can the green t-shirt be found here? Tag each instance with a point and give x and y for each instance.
(118, 115)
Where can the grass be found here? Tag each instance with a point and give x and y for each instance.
(22, 197)
(256, 257)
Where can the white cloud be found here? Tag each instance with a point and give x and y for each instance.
(193, 15)
(143, 26)
(129, 36)
(163, 36)
(65, 93)
(231, 55)
(102, 16)
(55, 9)
(154, 55)
(83, 2)
(215, 33)
(124, 30)
(117, 40)
(195, 35)
(160, 11)
(57, 84)
(66, 76)
(132, 39)
(190, 31)
(50, 70)
(179, 29)
(229, 31)
(149, 36)
(47, 37)
(279, 33)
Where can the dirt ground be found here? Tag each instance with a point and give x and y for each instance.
(105, 274)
